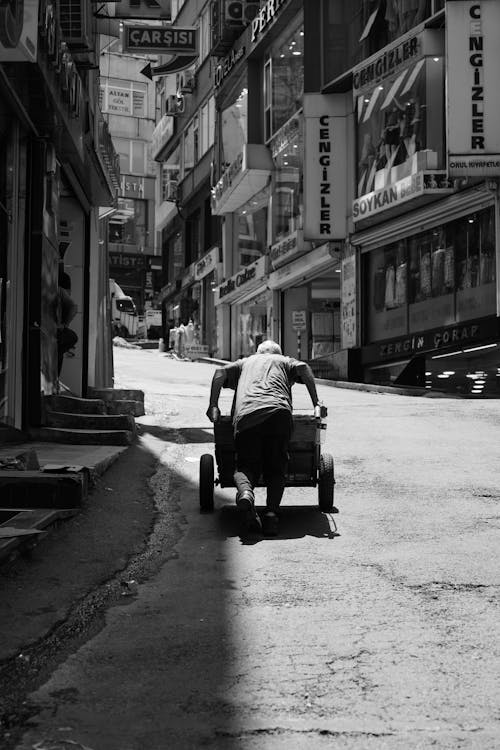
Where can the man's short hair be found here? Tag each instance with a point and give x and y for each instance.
(269, 347)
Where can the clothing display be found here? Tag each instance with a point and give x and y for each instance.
(401, 276)
(379, 289)
(390, 283)
(425, 274)
(449, 267)
(438, 257)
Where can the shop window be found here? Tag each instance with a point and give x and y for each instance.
(207, 125)
(434, 278)
(253, 319)
(252, 229)
(132, 154)
(288, 153)
(401, 126)
(284, 81)
(234, 123)
(170, 174)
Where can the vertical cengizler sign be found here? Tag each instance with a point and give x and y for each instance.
(325, 167)
(473, 102)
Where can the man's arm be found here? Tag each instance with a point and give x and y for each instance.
(306, 376)
(218, 382)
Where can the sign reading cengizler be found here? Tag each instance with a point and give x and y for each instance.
(472, 33)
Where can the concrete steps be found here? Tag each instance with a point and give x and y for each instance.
(74, 436)
(107, 422)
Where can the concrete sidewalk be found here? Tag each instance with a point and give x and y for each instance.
(96, 458)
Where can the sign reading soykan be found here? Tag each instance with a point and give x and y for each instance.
(472, 33)
(414, 186)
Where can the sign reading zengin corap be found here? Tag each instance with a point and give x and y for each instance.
(472, 34)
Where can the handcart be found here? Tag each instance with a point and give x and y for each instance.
(307, 465)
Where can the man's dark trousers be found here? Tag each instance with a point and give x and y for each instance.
(263, 450)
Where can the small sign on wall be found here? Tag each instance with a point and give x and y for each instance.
(299, 320)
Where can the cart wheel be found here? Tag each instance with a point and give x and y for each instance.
(326, 482)
(207, 482)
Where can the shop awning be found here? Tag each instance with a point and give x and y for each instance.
(305, 268)
(247, 175)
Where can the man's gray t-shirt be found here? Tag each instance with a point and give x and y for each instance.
(263, 384)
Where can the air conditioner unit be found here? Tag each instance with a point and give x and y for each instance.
(171, 190)
(174, 105)
(75, 18)
(187, 83)
(239, 13)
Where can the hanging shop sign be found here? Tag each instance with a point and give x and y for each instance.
(154, 9)
(288, 248)
(206, 264)
(18, 30)
(132, 186)
(178, 45)
(325, 167)
(473, 62)
(129, 260)
(420, 185)
(301, 270)
(460, 337)
(267, 14)
(241, 282)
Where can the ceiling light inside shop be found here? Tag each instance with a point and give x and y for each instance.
(296, 52)
(436, 59)
(448, 372)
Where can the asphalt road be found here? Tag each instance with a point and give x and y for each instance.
(374, 628)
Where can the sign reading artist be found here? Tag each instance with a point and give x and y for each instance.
(325, 167)
(472, 33)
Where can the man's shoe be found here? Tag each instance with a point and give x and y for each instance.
(245, 502)
(270, 524)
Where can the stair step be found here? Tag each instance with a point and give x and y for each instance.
(114, 394)
(82, 437)
(75, 405)
(126, 406)
(90, 421)
(37, 489)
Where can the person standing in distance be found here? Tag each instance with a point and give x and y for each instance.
(262, 421)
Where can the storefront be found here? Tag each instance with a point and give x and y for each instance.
(430, 299)
(250, 304)
(206, 276)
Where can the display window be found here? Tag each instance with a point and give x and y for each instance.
(356, 29)
(288, 202)
(252, 229)
(284, 80)
(234, 125)
(400, 126)
(253, 323)
(438, 277)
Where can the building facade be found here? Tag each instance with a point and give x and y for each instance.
(187, 232)
(127, 100)
(358, 191)
(58, 166)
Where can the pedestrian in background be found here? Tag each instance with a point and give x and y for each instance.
(66, 310)
(263, 423)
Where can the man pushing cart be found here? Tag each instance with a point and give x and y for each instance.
(262, 425)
